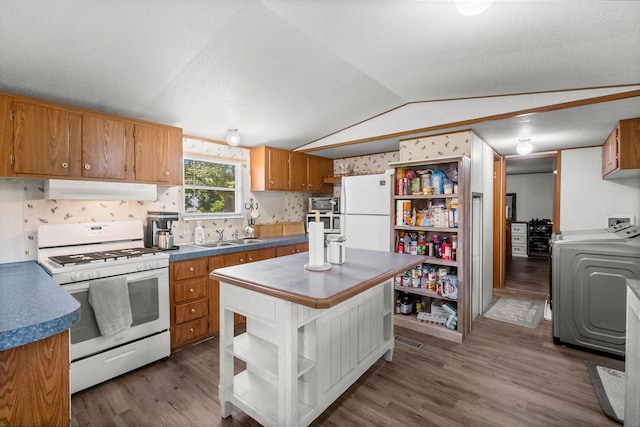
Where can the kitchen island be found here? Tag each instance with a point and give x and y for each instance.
(309, 335)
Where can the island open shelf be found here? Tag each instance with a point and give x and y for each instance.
(309, 335)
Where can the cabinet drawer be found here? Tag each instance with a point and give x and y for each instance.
(518, 238)
(190, 331)
(192, 310)
(518, 228)
(190, 290)
(190, 268)
(519, 249)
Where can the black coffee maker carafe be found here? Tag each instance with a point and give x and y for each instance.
(159, 223)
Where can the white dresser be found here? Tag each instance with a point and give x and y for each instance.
(519, 239)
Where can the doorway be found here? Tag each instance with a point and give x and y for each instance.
(532, 183)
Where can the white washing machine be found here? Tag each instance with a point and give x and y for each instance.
(615, 232)
(588, 279)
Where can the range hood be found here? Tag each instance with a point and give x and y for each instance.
(68, 189)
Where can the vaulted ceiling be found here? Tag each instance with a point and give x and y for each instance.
(355, 76)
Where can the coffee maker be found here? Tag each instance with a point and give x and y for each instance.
(159, 223)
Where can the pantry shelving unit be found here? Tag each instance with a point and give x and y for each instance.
(461, 262)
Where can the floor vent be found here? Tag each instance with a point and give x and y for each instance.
(408, 342)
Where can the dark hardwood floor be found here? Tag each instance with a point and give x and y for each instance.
(502, 375)
(528, 275)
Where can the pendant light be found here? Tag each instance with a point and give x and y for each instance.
(233, 137)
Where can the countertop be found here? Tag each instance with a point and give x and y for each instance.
(190, 251)
(32, 305)
(286, 277)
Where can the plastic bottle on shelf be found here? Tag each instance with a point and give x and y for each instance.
(198, 234)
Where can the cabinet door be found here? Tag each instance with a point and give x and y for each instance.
(41, 140)
(103, 147)
(317, 169)
(6, 136)
(292, 249)
(277, 169)
(151, 153)
(261, 254)
(610, 152)
(297, 171)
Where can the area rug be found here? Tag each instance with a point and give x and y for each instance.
(516, 311)
(609, 385)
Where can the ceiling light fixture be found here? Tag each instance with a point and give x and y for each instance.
(233, 137)
(472, 7)
(524, 147)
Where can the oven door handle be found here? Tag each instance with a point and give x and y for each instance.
(131, 277)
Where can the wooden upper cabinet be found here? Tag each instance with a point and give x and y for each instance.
(104, 145)
(298, 171)
(318, 168)
(158, 154)
(151, 148)
(41, 140)
(6, 136)
(621, 151)
(278, 169)
(282, 170)
(269, 169)
(49, 140)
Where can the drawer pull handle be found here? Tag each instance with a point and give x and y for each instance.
(190, 329)
(241, 259)
(167, 173)
(190, 268)
(119, 356)
(191, 290)
(250, 259)
(87, 166)
(65, 165)
(193, 310)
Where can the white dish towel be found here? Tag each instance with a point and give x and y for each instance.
(110, 301)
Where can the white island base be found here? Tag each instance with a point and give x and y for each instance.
(299, 360)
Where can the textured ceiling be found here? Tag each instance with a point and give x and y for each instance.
(288, 73)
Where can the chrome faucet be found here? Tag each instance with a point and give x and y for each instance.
(220, 232)
(235, 235)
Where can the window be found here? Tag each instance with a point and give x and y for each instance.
(212, 187)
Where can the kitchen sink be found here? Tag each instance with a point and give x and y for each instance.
(247, 241)
(215, 244)
(228, 243)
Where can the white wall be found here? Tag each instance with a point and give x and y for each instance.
(534, 195)
(482, 183)
(586, 199)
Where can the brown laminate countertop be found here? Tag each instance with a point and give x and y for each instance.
(286, 278)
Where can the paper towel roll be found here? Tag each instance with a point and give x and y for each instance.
(316, 244)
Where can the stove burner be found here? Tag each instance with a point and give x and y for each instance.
(94, 257)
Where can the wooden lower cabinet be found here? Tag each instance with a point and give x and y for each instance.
(34, 389)
(189, 302)
(292, 249)
(195, 297)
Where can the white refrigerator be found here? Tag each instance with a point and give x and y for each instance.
(365, 209)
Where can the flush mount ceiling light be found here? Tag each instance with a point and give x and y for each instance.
(524, 147)
(472, 7)
(233, 137)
